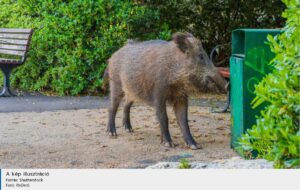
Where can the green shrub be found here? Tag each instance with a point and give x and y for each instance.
(276, 135)
(184, 164)
(213, 21)
(73, 39)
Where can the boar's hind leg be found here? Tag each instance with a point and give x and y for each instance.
(126, 116)
(161, 114)
(181, 112)
(116, 96)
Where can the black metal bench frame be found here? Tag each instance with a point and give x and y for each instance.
(13, 42)
(211, 55)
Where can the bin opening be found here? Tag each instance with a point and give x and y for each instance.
(238, 43)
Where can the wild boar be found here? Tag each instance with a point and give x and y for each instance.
(158, 72)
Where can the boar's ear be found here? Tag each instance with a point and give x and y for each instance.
(181, 40)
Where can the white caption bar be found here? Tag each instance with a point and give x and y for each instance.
(115, 179)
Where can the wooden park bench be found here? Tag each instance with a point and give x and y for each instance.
(14, 45)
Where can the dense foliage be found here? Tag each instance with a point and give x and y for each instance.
(276, 135)
(213, 21)
(73, 39)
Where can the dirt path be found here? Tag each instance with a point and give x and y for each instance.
(78, 139)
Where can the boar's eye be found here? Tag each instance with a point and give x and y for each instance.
(201, 56)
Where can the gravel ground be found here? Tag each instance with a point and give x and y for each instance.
(78, 139)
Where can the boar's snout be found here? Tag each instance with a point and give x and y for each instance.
(216, 83)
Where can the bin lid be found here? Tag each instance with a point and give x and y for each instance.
(251, 41)
(258, 30)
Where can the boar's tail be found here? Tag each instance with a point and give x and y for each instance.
(105, 81)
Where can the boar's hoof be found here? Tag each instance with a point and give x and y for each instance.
(112, 133)
(128, 129)
(169, 144)
(194, 146)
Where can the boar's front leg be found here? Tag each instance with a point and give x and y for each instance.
(161, 114)
(181, 112)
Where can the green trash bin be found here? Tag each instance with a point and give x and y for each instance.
(249, 62)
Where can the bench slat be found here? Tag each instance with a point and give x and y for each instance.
(10, 61)
(13, 47)
(13, 41)
(14, 36)
(12, 52)
(14, 30)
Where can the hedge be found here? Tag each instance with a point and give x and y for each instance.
(73, 39)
